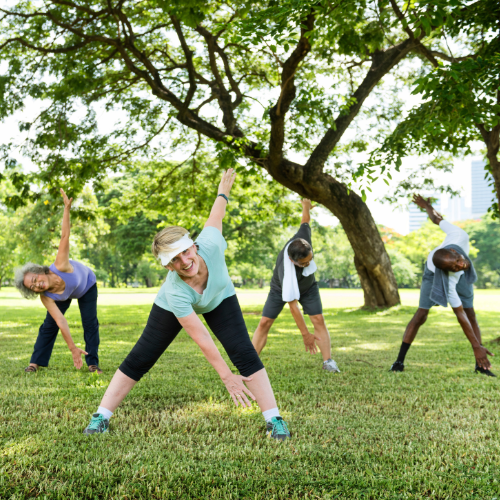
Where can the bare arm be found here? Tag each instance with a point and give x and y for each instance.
(306, 211)
(431, 212)
(62, 258)
(309, 339)
(480, 352)
(234, 383)
(61, 322)
(219, 207)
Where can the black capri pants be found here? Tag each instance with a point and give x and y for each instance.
(226, 322)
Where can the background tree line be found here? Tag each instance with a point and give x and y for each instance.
(115, 240)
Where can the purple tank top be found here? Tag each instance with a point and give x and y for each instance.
(77, 283)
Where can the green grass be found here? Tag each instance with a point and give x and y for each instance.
(430, 432)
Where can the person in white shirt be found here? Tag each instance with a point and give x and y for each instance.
(448, 277)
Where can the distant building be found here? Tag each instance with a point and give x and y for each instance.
(482, 195)
(417, 217)
(456, 210)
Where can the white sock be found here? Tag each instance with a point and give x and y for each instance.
(269, 414)
(104, 412)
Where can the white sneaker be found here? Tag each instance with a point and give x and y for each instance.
(330, 366)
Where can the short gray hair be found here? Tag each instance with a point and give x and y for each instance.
(21, 272)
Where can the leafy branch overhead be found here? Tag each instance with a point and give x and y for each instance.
(196, 59)
(461, 101)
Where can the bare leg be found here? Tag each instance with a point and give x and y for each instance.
(259, 338)
(262, 390)
(415, 323)
(118, 388)
(322, 335)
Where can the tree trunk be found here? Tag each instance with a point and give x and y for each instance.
(149, 283)
(492, 140)
(370, 257)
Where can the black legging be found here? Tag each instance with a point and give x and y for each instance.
(226, 322)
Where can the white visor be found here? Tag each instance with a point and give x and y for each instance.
(179, 246)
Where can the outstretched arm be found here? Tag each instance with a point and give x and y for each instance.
(234, 383)
(307, 206)
(425, 204)
(61, 322)
(481, 353)
(219, 208)
(62, 259)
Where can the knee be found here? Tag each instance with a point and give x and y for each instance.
(470, 313)
(265, 324)
(421, 316)
(318, 321)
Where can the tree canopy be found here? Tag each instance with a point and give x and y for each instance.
(184, 73)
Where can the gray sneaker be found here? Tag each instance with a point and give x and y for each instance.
(330, 365)
(98, 425)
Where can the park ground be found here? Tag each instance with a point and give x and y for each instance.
(366, 433)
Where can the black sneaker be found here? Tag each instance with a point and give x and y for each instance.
(98, 425)
(277, 429)
(397, 366)
(484, 371)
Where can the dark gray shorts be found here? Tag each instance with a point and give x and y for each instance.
(465, 291)
(310, 301)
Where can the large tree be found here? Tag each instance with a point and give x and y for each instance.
(194, 70)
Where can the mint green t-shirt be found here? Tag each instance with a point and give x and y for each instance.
(180, 299)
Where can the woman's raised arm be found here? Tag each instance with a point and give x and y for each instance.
(219, 207)
(62, 259)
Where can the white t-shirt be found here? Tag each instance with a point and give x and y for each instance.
(454, 236)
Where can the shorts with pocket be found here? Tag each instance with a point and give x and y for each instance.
(310, 302)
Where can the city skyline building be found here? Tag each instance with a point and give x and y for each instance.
(481, 192)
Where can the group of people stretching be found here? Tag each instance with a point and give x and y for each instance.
(198, 282)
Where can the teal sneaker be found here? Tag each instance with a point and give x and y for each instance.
(98, 425)
(277, 429)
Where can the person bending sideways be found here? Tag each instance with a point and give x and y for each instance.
(56, 286)
(293, 282)
(198, 283)
(448, 277)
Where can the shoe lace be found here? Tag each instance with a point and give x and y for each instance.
(96, 422)
(280, 427)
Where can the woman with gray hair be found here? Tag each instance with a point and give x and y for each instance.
(56, 285)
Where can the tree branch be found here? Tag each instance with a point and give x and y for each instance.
(287, 94)
(382, 63)
(189, 61)
(223, 96)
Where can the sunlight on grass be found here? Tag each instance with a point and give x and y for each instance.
(364, 433)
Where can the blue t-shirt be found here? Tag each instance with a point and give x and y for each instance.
(179, 298)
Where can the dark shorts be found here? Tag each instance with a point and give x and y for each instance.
(310, 302)
(465, 291)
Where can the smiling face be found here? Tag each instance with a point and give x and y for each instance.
(303, 262)
(38, 283)
(456, 262)
(186, 264)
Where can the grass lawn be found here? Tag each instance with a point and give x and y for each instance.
(430, 432)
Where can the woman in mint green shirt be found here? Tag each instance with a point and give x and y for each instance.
(198, 283)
